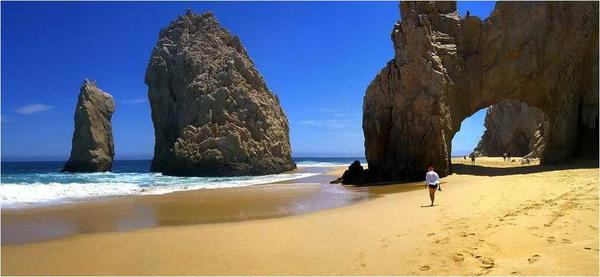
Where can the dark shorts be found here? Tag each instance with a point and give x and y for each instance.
(432, 186)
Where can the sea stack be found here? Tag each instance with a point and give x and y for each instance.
(512, 127)
(213, 114)
(92, 147)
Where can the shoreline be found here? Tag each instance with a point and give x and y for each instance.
(190, 207)
(523, 220)
(25, 192)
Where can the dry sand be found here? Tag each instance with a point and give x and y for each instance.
(488, 220)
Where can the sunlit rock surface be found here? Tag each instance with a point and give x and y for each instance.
(92, 147)
(446, 68)
(213, 114)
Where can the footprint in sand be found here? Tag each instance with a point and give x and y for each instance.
(442, 241)
(534, 258)
(485, 262)
(465, 234)
(550, 239)
(587, 248)
(431, 234)
(566, 241)
(459, 257)
(360, 258)
(425, 268)
(383, 243)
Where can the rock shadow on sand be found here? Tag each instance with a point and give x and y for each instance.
(503, 171)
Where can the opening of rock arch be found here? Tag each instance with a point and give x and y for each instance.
(512, 128)
(447, 67)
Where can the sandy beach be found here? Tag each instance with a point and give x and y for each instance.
(298, 138)
(494, 218)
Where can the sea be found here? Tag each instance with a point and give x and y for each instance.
(25, 184)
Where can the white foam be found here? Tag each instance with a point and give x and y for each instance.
(116, 184)
(320, 164)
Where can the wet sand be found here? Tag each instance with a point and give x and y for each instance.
(500, 220)
(180, 208)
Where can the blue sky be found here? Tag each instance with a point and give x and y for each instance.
(317, 57)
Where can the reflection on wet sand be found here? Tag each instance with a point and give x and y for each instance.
(180, 208)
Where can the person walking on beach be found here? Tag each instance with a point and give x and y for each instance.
(472, 159)
(432, 182)
(504, 156)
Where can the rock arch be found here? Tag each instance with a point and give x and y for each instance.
(446, 68)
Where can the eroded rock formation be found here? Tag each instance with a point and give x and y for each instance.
(512, 127)
(355, 174)
(92, 147)
(446, 68)
(213, 114)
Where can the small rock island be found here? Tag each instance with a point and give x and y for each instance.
(212, 112)
(92, 145)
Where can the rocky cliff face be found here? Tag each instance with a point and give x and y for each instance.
(212, 111)
(512, 127)
(92, 147)
(406, 117)
(446, 68)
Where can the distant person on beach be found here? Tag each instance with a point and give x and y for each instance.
(472, 159)
(432, 182)
(504, 155)
(465, 157)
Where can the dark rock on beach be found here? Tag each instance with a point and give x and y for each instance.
(213, 114)
(354, 175)
(92, 147)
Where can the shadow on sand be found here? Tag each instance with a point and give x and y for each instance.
(502, 171)
(387, 187)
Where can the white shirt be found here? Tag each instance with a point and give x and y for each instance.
(432, 178)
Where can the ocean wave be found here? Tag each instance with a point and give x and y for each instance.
(52, 188)
(321, 164)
